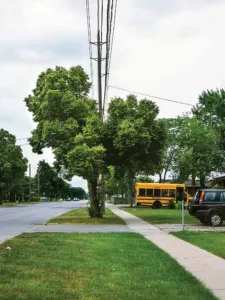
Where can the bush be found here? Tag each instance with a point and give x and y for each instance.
(35, 199)
(171, 204)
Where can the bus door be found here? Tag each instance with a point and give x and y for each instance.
(179, 193)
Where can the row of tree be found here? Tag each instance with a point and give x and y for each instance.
(15, 185)
(196, 142)
(53, 186)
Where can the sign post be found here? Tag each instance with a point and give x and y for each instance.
(183, 222)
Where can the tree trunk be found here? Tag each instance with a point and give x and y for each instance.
(1, 196)
(202, 180)
(193, 179)
(130, 184)
(95, 208)
(160, 177)
(164, 176)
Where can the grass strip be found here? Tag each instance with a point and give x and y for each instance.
(92, 266)
(161, 216)
(81, 216)
(213, 242)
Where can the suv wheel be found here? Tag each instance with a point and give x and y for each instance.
(215, 219)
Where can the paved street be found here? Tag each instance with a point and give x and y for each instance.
(14, 220)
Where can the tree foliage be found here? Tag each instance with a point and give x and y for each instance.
(55, 187)
(198, 152)
(12, 163)
(134, 139)
(68, 123)
(210, 110)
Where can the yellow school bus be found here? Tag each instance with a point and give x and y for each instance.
(157, 195)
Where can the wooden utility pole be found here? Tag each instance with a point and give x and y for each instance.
(38, 185)
(30, 182)
(99, 59)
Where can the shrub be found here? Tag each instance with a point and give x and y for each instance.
(171, 204)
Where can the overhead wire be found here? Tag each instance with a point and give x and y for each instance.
(107, 50)
(23, 145)
(150, 96)
(22, 139)
(102, 14)
(111, 28)
(90, 45)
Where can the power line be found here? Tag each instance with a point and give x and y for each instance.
(150, 96)
(89, 43)
(110, 38)
(22, 139)
(107, 50)
(23, 145)
(102, 13)
(114, 22)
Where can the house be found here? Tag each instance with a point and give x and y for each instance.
(192, 189)
(218, 182)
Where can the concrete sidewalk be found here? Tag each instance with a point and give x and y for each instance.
(208, 268)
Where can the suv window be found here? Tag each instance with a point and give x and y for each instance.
(210, 197)
(197, 196)
(222, 197)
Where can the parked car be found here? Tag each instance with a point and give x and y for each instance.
(208, 206)
(76, 199)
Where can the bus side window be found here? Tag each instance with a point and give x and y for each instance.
(149, 192)
(156, 192)
(164, 193)
(141, 192)
(171, 193)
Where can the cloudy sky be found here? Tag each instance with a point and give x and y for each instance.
(167, 48)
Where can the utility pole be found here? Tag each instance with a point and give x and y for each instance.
(99, 61)
(38, 185)
(30, 182)
(99, 74)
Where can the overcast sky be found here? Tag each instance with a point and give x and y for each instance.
(168, 48)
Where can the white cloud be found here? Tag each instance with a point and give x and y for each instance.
(174, 55)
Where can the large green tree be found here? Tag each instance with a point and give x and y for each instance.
(198, 152)
(12, 163)
(210, 110)
(68, 123)
(77, 192)
(173, 126)
(51, 185)
(134, 138)
(87, 159)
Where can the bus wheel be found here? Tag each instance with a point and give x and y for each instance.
(157, 205)
(138, 204)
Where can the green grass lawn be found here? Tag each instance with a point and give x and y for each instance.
(80, 216)
(92, 266)
(9, 204)
(213, 242)
(161, 216)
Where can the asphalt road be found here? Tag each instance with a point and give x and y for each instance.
(17, 219)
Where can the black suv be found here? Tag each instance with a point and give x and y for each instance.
(208, 206)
